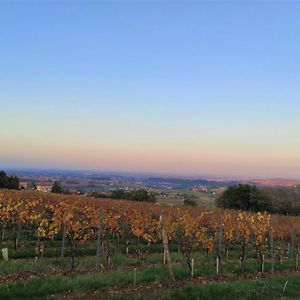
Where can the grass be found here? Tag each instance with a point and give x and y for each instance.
(87, 263)
(250, 289)
(123, 277)
(86, 282)
(236, 290)
(51, 264)
(202, 198)
(150, 271)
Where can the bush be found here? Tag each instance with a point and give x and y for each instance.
(140, 195)
(245, 197)
(276, 200)
(189, 202)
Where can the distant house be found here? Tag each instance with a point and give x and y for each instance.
(75, 191)
(24, 185)
(163, 195)
(44, 187)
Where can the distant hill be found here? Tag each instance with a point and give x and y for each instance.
(276, 182)
(182, 183)
(103, 181)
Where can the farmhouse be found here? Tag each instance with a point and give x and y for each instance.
(44, 187)
(24, 185)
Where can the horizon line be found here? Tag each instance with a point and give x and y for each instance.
(150, 174)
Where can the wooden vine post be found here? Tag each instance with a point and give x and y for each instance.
(63, 238)
(292, 253)
(164, 257)
(219, 247)
(3, 233)
(18, 236)
(134, 277)
(98, 244)
(271, 247)
(166, 248)
(218, 266)
(193, 267)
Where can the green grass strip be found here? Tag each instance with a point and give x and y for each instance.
(237, 290)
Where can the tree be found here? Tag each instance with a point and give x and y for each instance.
(13, 183)
(189, 202)
(56, 188)
(245, 197)
(9, 182)
(285, 200)
(118, 194)
(140, 195)
(32, 186)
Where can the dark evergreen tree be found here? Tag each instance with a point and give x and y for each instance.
(56, 188)
(245, 197)
(9, 182)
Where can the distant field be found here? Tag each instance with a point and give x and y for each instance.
(203, 198)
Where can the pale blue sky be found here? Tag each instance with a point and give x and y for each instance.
(193, 87)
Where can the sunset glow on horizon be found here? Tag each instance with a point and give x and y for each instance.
(178, 88)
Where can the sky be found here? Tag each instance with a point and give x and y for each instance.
(177, 87)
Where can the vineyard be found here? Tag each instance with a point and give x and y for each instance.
(60, 244)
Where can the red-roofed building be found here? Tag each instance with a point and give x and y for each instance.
(44, 187)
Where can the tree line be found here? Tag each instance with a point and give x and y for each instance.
(275, 200)
(9, 182)
(140, 195)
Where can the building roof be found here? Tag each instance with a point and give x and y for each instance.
(46, 184)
